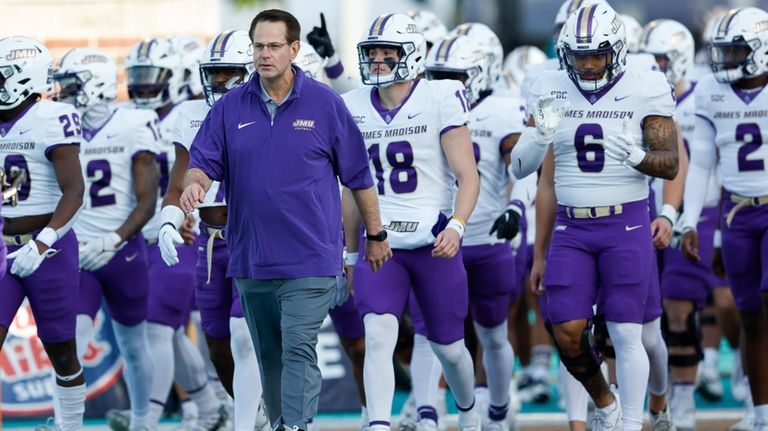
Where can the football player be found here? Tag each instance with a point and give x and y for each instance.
(118, 161)
(402, 119)
(40, 140)
(731, 107)
(595, 146)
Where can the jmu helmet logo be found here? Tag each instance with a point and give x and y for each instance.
(94, 58)
(18, 54)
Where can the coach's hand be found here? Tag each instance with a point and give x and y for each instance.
(377, 253)
(192, 196)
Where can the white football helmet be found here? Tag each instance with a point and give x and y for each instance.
(519, 59)
(393, 30)
(488, 42)
(670, 39)
(227, 64)
(739, 47)
(192, 52)
(310, 62)
(593, 30)
(459, 57)
(154, 74)
(430, 26)
(85, 77)
(567, 9)
(26, 68)
(633, 30)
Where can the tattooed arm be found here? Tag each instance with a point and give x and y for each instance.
(660, 134)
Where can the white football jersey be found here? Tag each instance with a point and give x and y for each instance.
(490, 122)
(106, 157)
(740, 121)
(26, 143)
(641, 61)
(166, 155)
(581, 165)
(409, 168)
(191, 114)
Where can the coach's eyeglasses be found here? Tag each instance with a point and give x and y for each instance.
(271, 47)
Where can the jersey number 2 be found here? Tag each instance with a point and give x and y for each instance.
(99, 168)
(749, 134)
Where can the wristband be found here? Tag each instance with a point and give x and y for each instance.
(171, 214)
(47, 236)
(717, 239)
(516, 206)
(456, 224)
(350, 258)
(669, 212)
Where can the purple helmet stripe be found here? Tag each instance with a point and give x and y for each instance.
(725, 23)
(224, 42)
(215, 44)
(377, 28)
(445, 49)
(590, 17)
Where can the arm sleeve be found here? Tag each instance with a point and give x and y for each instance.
(208, 150)
(453, 104)
(525, 190)
(527, 154)
(348, 153)
(62, 127)
(703, 158)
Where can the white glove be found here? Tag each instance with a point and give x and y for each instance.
(167, 240)
(172, 218)
(99, 251)
(28, 259)
(547, 118)
(621, 147)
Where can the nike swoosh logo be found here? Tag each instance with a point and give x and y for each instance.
(629, 228)
(131, 257)
(21, 132)
(241, 125)
(113, 136)
(617, 98)
(414, 115)
(479, 119)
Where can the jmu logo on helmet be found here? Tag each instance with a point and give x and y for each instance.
(93, 58)
(760, 27)
(18, 54)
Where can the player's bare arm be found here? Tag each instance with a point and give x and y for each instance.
(546, 205)
(145, 179)
(176, 180)
(66, 164)
(662, 161)
(457, 146)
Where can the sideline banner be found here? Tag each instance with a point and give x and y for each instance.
(27, 386)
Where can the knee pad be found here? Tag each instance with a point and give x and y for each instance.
(691, 337)
(585, 365)
(602, 338)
